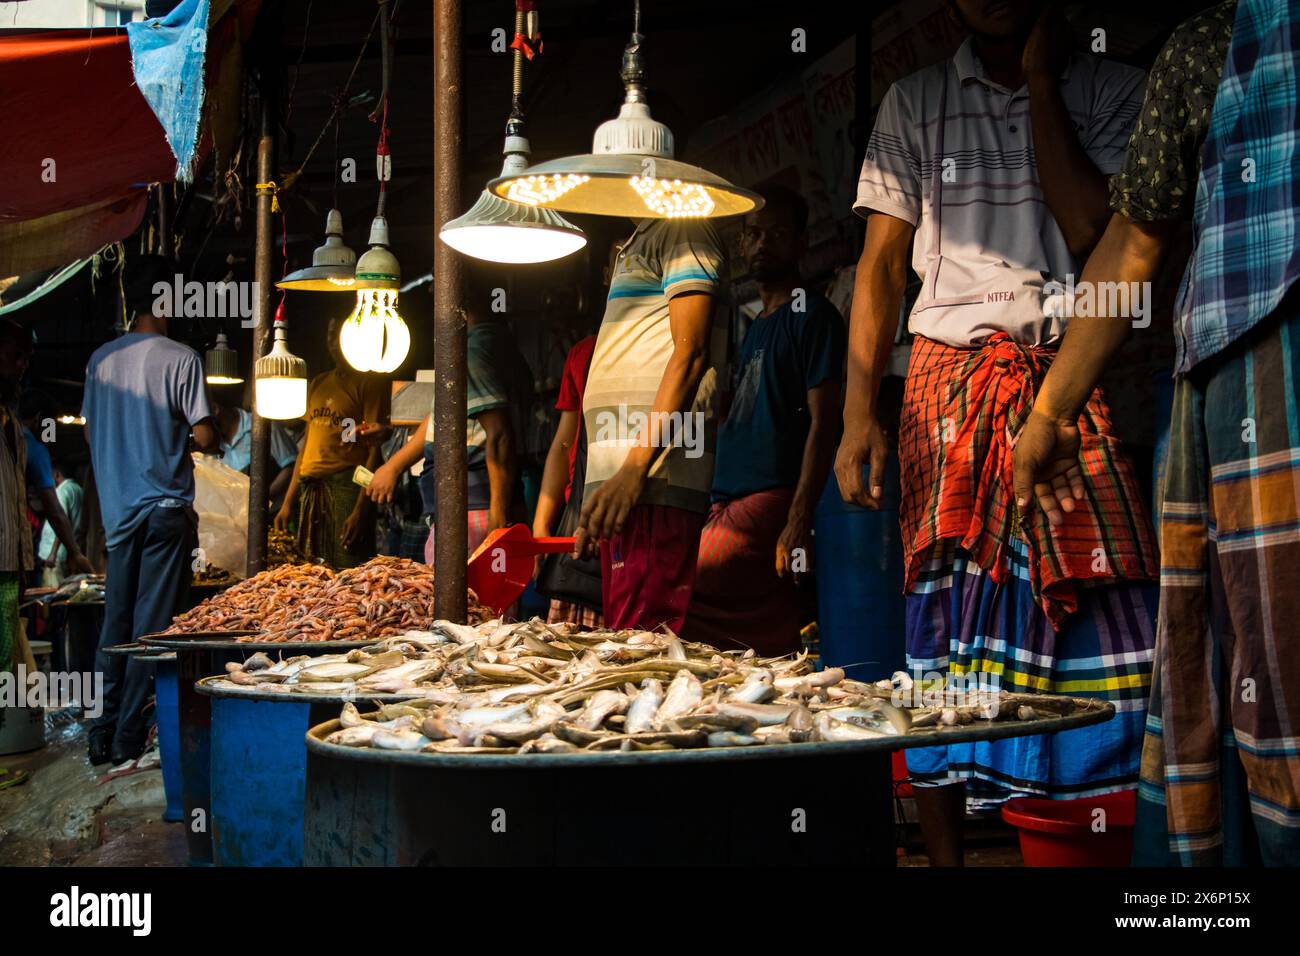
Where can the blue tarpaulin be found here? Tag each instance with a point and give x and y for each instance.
(167, 56)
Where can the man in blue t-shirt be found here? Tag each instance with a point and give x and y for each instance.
(36, 411)
(145, 398)
(775, 447)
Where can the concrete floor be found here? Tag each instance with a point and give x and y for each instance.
(66, 814)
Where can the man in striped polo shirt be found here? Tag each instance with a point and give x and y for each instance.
(988, 171)
(650, 412)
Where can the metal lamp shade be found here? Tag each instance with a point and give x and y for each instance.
(221, 364)
(602, 184)
(333, 265)
(499, 231)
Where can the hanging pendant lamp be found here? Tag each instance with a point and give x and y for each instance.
(221, 363)
(494, 229)
(280, 378)
(630, 170)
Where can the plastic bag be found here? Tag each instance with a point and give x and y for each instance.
(221, 500)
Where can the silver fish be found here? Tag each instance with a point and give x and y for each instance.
(826, 727)
(729, 738)
(352, 736)
(684, 694)
(602, 704)
(641, 712)
(767, 715)
(398, 740)
(756, 688)
(482, 716)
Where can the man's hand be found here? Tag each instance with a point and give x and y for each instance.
(604, 512)
(383, 485)
(1046, 466)
(864, 442)
(78, 563)
(1049, 46)
(354, 530)
(281, 522)
(793, 536)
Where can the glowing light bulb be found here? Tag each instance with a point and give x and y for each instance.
(374, 338)
(280, 398)
(673, 199)
(540, 190)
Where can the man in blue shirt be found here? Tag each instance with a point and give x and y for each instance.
(775, 447)
(35, 410)
(145, 395)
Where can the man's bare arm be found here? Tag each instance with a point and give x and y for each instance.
(877, 297)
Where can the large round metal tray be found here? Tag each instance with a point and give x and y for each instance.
(221, 687)
(225, 641)
(1091, 712)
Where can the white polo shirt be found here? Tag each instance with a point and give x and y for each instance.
(952, 153)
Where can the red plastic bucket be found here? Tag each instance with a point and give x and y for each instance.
(902, 779)
(1070, 832)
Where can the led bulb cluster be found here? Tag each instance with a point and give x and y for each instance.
(374, 338)
(673, 199)
(541, 190)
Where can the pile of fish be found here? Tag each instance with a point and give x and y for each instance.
(538, 688)
(309, 603)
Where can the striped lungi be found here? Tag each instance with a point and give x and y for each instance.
(1225, 710)
(1025, 608)
(969, 630)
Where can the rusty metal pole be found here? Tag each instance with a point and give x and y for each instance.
(449, 327)
(259, 478)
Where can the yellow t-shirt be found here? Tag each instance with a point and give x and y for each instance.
(338, 403)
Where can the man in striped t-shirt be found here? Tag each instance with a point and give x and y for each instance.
(988, 172)
(650, 412)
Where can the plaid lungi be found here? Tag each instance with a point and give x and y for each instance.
(962, 409)
(1228, 644)
(1039, 609)
(323, 506)
(567, 612)
(739, 601)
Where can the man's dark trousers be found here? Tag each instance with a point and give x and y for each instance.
(147, 579)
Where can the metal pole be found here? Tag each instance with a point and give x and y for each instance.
(166, 244)
(264, 246)
(452, 535)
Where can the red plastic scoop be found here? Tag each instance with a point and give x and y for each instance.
(501, 568)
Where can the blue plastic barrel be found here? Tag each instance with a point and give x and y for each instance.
(259, 779)
(168, 716)
(860, 581)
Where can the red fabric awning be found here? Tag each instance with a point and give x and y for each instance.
(80, 149)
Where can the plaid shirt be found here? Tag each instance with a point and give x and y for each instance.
(1246, 216)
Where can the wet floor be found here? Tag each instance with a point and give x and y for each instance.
(68, 814)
